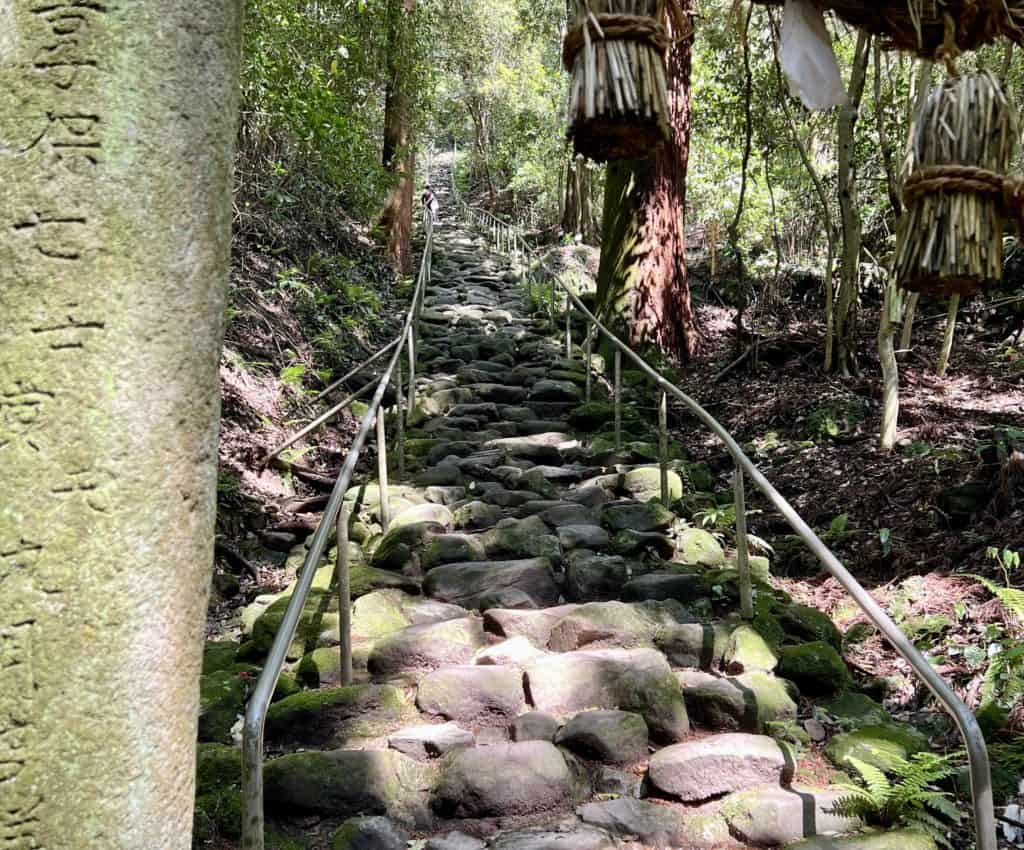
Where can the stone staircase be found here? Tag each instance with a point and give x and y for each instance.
(548, 658)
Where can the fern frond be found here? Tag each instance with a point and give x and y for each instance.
(1011, 597)
(878, 785)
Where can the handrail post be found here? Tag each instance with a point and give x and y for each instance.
(344, 598)
(618, 400)
(412, 379)
(663, 447)
(742, 551)
(590, 362)
(400, 419)
(551, 303)
(568, 330)
(382, 471)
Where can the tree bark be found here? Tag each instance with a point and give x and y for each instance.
(117, 123)
(947, 337)
(890, 371)
(578, 215)
(397, 152)
(849, 283)
(643, 276)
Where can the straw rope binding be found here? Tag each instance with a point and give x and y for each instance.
(618, 102)
(957, 192)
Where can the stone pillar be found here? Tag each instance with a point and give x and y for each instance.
(117, 122)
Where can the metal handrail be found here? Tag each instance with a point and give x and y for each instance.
(970, 731)
(259, 702)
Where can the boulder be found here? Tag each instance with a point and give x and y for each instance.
(816, 668)
(521, 538)
(514, 652)
(638, 680)
(540, 448)
(581, 837)
(700, 645)
(533, 726)
(631, 542)
(613, 737)
(700, 770)
(503, 780)
(338, 717)
(582, 537)
(547, 390)
(620, 624)
(680, 585)
(772, 816)
(700, 548)
(852, 710)
(466, 584)
(902, 839)
(658, 826)
(638, 517)
(748, 651)
(430, 741)
(454, 841)
(644, 484)
(535, 625)
(746, 703)
(567, 513)
(427, 646)
(590, 576)
(428, 513)
(382, 612)
(399, 549)
(477, 515)
(369, 833)
(347, 783)
(472, 694)
(452, 549)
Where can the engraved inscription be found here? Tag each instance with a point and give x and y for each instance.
(56, 236)
(66, 53)
(71, 331)
(19, 814)
(90, 484)
(21, 556)
(21, 411)
(70, 142)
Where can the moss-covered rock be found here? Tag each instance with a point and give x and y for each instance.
(522, 538)
(816, 668)
(365, 579)
(218, 655)
(853, 710)
(748, 650)
(266, 625)
(645, 517)
(876, 745)
(644, 484)
(217, 815)
(338, 717)
(369, 833)
(802, 623)
(700, 477)
(836, 417)
(222, 698)
(400, 547)
(218, 766)
(903, 839)
(699, 547)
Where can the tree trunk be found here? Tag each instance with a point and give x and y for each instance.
(846, 309)
(643, 275)
(890, 371)
(947, 337)
(115, 163)
(397, 153)
(578, 215)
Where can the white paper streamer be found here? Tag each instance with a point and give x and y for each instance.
(807, 57)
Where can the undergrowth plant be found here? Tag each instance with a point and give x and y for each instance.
(904, 794)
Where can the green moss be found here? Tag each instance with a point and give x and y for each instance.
(222, 698)
(218, 655)
(265, 628)
(276, 841)
(338, 715)
(748, 650)
(853, 710)
(876, 744)
(218, 766)
(802, 623)
(697, 546)
(816, 668)
(217, 815)
(836, 417)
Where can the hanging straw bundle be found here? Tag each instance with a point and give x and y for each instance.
(920, 26)
(956, 192)
(615, 54)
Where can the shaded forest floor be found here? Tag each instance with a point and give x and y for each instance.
(910, 524)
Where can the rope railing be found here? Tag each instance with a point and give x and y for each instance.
(259, 701)
(974, 741)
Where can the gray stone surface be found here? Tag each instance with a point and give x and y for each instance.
(467, 584)
(473, 694)
(575, 838)
(428, 646)
(700, 770)
(637, 680)
(534, 726)
(771, 815)
(430, 740)
(654, 825)
(613, 737)
(369, 833)
(503, 780)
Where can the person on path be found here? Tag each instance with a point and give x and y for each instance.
(430, 203)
